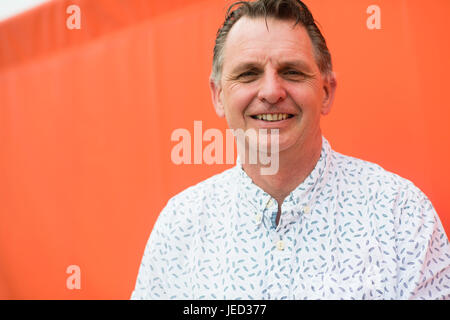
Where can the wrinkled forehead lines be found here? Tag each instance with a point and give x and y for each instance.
(249, 35)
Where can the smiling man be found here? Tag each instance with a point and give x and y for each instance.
(325, 225)
(269, 67)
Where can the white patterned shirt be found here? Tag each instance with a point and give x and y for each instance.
(350, 230)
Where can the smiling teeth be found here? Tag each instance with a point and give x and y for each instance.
(272, 116)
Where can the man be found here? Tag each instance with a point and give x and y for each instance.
(325, 225)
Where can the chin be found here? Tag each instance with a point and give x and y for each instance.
(282, 145)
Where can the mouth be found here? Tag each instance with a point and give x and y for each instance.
(272, 117)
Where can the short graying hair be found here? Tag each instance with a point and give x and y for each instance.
(292, 10)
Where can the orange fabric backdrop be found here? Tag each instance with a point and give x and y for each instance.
(86, 118)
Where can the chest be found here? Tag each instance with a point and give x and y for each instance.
(304, 259)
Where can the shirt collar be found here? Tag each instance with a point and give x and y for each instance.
(303, 195)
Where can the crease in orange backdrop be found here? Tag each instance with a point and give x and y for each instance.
(86, 118)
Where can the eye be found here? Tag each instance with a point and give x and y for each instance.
(247, 74)
(293, 75)
(292, 72)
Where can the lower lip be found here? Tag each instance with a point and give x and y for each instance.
(272, 124)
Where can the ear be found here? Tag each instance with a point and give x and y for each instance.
(216, 95)
(329, 87)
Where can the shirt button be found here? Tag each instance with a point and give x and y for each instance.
(280, 245)
(270, 203)
(306, 209)
(258, 218)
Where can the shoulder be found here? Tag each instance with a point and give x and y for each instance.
(368, 173)
(213, 188)
(185, 207)
(183, 215)
(382, 187)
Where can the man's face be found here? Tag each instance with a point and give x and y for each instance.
(270, 80)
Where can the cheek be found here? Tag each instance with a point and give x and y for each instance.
(237, 100)
(307, 98)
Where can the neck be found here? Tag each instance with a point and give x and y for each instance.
(295, 165)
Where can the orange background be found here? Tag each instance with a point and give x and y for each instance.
(86, 118)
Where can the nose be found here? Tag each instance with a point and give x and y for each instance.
(271, 89)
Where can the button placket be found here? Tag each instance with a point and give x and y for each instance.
(277, 280)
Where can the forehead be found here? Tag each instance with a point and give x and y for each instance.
(257, 40)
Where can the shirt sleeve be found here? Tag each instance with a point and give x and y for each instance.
(423, 251)
(150, 283)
